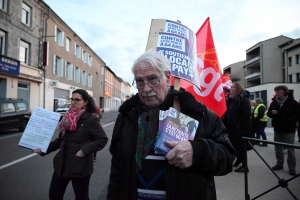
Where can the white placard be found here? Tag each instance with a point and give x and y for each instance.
(40, 129)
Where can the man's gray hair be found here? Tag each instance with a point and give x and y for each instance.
(259, 100)
(155, 59)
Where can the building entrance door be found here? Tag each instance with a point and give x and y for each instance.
(3, 88)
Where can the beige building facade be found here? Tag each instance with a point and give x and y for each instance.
(42, 60)
(70, 64)
(21, 30)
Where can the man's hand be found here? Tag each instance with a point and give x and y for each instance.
(274, 112)
(181, 155)
(80, 153)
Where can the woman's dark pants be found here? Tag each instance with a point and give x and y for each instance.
(80, 186)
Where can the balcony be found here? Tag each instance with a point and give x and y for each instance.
(252, 61)
(252, 76)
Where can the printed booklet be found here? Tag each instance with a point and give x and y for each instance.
(174, 126)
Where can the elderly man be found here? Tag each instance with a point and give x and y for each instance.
(285, 112)
(186, 172)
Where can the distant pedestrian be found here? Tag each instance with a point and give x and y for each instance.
(259, 120)
(284, 111)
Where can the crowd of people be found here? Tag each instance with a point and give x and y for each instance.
(188, 170)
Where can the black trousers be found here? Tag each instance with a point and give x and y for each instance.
(80, 186)
(240, 147)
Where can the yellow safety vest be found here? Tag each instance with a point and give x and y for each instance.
(264, 118)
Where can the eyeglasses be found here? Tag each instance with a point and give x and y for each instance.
(76, 100)
(151, 81)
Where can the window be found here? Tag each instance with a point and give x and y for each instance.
(58, 36)
(84, 56)
(23, 91)
(24, 52)
(90, 80)
(102, 70)
(83, 79)
(290, 79)
(90, 60)
(26, 12)
(57, 66)
(3, 4)
(68, 44)
(290, 61)
(297, 59)
(68, 71)
(2, 42)
(298, 77)
(77, 51)
(22, 106)
(8, 107)
(77, 75)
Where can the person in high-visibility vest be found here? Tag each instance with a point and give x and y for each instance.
(259, 120)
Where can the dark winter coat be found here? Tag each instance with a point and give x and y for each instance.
(238, 123)
(237, 117)
(287, 116)
(213, 154)
(89, 137)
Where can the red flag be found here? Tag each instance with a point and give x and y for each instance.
(209, 72)
(226, 81)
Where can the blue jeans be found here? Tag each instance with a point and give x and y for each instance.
(260, 132)
(80, 186)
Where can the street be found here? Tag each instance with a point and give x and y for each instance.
(29, 179)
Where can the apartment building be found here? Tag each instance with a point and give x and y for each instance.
(125, 93)
(117, 93)
(109, 89)
(269, 63)
(42, 60)
(21, 31)
(69, 64)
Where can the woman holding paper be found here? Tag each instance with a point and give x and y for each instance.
(80, 135)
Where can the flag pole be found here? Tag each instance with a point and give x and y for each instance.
(176, 103)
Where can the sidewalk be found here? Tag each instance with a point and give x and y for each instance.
(260, 177)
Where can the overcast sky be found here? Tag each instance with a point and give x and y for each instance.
(117, 30)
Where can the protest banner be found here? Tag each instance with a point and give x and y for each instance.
(40, 129)
(174, 126)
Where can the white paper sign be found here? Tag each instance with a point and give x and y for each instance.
(40, 129)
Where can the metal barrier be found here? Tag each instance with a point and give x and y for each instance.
(281, 182)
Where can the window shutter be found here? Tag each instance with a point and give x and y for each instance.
(91, 61)
(66, 68)
(71, 71)
(54, 64)
(75, 50)
(79, 56)
(91, 80)
(55, 33)
(82, 55)
(62, 68)
(75, 74)
(62, 39)
(79, 71)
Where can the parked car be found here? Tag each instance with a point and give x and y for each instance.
(63, 109)
(14, 113)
